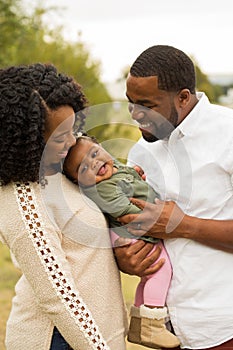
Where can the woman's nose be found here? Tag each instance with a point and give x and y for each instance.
(71, 140)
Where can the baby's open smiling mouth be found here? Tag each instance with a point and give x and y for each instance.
(102, 170)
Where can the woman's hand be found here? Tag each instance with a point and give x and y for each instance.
(161, 220)
(135, 259)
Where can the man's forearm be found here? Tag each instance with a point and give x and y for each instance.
(214, 233)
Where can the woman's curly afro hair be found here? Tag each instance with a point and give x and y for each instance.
(26, 93)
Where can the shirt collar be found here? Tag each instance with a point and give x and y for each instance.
(190, 122)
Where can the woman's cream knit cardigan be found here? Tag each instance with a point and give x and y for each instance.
(70, 280)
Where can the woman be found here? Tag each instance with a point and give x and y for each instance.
(49, 228)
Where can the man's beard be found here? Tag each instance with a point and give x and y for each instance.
(164, 130)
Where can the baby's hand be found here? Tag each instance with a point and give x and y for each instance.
(140, 172)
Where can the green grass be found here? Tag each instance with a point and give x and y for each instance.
(9, 276)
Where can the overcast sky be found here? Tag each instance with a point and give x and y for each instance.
(117, 31)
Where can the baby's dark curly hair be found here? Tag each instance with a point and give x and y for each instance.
(174, 69)
(26, 93)
(83, 136)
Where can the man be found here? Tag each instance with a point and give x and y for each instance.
(191, 165)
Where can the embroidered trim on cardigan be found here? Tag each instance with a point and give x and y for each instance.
(37, 233)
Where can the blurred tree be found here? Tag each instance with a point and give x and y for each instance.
(10, 27)
(213, 91)
(26, 39)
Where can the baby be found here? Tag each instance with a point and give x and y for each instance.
(110, 184)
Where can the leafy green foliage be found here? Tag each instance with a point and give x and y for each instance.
(26, 39)
(112, 125)
(203, 84)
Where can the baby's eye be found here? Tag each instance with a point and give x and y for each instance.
(84, 168)
(94, 154)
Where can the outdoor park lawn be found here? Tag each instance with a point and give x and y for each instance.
(9, 276)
